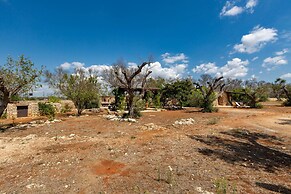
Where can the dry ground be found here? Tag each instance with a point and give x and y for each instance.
(250, 149)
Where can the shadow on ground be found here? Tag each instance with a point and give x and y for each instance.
(274, 188)
(285, 122)
(241, 147)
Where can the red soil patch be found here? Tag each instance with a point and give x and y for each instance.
(109, 167)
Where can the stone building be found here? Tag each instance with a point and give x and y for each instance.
(22, 109)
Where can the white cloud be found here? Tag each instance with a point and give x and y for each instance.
(272, 62)
(208, 68)
(286, 76)
(256, 39)
(78, 65)
(255, 58)
(233, 69)
(251, 4)
(173, 72)
(98, 69)
(169, 59)
(230, 9)
(284, 51)
(65, 66)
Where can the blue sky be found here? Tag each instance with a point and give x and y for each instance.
(237, 38)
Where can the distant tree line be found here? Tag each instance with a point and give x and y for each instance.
(134, 88)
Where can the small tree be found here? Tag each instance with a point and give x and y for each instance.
(285, 89)
(207, 87)
(180, 90)
(255, 92)
(131, 79)
(81, 87)
(17, 77)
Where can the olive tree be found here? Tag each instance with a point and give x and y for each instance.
(79, 86)
(285, 89)
(255, 92)
(207, 87)
(131, 79)
(17, 77)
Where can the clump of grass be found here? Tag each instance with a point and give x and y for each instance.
(213, 121)
(222, 187)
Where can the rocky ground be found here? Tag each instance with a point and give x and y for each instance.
(242, 150)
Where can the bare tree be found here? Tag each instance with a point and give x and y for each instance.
(131, 79)
(207, 86)
(16, 76)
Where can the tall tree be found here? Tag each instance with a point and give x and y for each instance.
(131, 79)
(80, 86)
(207, 87)
(17, 77)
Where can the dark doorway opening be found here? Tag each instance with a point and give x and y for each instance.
(22, 111)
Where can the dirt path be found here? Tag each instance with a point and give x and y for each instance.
(246, 149)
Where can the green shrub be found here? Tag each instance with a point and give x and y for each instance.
(4, 115)
(213, 121)
(46, 109)
(287, 102)
(222, 187)
(93, 104)
(258, 105)
(53, 99)
(66, 108)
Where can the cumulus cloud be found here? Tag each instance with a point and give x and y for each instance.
(286, 76)
(256, 39)
(170, 59)
(230, 9)
(232, 69)
(273, 62)
(173, 72)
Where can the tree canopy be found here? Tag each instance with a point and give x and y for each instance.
(17, 77)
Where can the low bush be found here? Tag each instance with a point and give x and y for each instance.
(53, 99)
(4, 115)
(66, 108)
(46, 109)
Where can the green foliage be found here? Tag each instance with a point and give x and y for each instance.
(207, 103)
(180, 90)
(66, 108)
(255, 92)
(213, 121)
(207, 86)
(16, 98)
(4, 115)
(17, 76)
(80, 87)
(93, 104)
(222, 187)
(139, 105)
(53, 99)
(157, 100)
(120, 101)
(46, 109)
